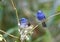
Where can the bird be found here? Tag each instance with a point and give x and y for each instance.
(23, 22)
(25, 28)
(41, 17)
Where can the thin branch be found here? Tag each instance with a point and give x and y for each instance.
(47, 19)
(8, 34)
(52, 16)
(34, 27)
(4, 39)
(17, 20)
(15, 10)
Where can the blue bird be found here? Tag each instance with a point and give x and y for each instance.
(41, 17)
(23, 22)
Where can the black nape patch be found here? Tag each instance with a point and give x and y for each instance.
(44, 24)
(29, 24)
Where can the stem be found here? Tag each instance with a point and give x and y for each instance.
(53, 16)
(47, 19)
(15, 10)
(5, 40)
(22, 40)
(8, 34)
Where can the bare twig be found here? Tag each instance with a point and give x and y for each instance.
(47, 19)
(52, 16)
(15, 10)
(4, 39)
(8, 34)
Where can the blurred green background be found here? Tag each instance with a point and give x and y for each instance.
(28, 9)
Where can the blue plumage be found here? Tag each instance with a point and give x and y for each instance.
(40, 15)
(23, 22)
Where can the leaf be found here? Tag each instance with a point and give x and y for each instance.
(47, 36)
(58, 8)
(11, 31)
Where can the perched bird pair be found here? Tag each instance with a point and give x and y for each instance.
(26, 27)
(39, 15)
